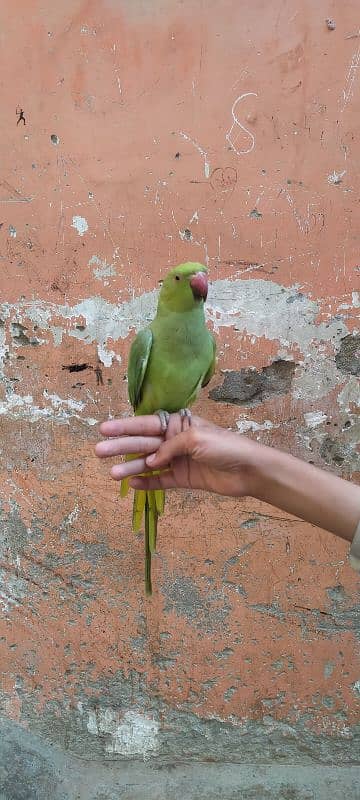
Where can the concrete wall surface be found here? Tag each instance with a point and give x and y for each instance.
(135, 135)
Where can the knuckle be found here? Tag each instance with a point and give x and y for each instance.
(194, 437)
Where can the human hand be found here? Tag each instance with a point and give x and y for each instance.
(202, 457)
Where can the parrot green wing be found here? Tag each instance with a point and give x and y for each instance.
(138, 361)
(212, 366)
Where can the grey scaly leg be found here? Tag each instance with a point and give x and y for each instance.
(164, 418)
(185, 414)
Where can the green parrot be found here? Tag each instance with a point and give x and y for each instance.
(169, 363)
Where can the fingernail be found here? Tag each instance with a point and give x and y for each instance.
(150, 459)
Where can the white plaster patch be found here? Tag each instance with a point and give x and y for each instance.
(3, 346)
(18, 406)
(257, 308)
(102, 270)
(100, 320)
(80, 225)
(106, 356)
(12, 590)
(131, 734)
(58, 402)
(355, 296)
(72, 517)
(57, 333)
(356, 687)
(335, 727)
(245, 425)
(264, 308)
(350, 394)
(314, 418)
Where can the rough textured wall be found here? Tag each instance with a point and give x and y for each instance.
(135, 135)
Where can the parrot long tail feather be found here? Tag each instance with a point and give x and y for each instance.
(153, 518)
(124, 485)
(159, 500)
(138, 509)
(149, 504)
(148, 586)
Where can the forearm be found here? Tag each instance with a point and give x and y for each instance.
(311, 494)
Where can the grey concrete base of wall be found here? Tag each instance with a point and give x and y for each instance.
(31, 769)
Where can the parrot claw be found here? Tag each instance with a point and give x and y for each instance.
(185, 414)
(164, 418)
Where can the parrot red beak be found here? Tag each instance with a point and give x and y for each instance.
(199, 285)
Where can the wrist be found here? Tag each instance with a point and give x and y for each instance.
(270, 473)
(259, 468)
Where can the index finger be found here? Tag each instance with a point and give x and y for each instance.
(148, 425)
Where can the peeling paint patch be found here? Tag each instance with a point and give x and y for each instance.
(18, 406)
(132, 734)
(265, 308)
(255, 307)
(80, 225)
(348, 356)
(186, 235)
(250, 387)
(102, 320)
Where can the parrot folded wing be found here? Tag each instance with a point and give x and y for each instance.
(150, 504)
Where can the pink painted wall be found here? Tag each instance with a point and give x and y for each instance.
(155, 133)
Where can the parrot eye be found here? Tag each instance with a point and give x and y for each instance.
(177, 277)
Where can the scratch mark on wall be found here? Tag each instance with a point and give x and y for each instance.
(238, 129)
(8, 194)
(304, 222)
(201, 151)
(348, 90)
(336, 177)
(118, 81)
(87, 30)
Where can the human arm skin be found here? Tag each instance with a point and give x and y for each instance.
(211, 458)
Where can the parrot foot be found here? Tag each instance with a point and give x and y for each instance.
(185, 414)
(164, 418)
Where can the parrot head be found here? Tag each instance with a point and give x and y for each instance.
(185, 287)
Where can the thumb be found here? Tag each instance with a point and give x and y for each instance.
(179, 445)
